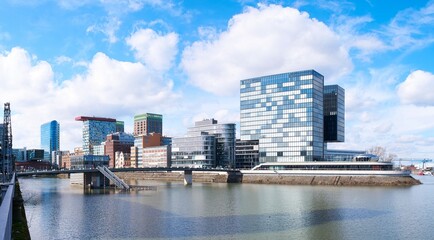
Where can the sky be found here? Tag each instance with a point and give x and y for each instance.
(184, 59)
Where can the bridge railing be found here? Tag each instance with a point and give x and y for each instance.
(7, 190)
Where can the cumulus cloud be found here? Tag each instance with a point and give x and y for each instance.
(417, 89)
(23, 78)
(265, 40)
(109, 88)
(153, 49)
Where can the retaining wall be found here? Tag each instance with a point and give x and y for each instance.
(275, 179)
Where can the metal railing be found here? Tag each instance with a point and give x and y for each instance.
(7, 192)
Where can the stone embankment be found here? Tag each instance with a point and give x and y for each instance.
(332, 180)
(174, 176)
(275, 179)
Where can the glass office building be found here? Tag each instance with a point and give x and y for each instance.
(334, 113)
(95, 131)
(50, 138)
(194, 151)
(285, 113)
(224, 136)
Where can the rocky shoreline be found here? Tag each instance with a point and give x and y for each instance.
(223, 177)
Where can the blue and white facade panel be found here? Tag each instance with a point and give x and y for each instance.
(284, 112)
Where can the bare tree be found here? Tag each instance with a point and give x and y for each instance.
(381, 152)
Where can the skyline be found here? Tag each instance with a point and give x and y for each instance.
(133, 57)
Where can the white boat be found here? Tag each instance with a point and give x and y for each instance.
(327, 168)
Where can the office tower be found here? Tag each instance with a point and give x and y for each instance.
(334, 113)
(285, 113)
(120, 126)
(95, 131)
(147, 123)
(224, 136)
(207, 144)
(50, 138)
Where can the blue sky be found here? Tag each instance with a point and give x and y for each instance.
(184, 59)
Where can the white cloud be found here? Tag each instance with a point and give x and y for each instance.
(153, 49)
(109, 88)
(412, 28)
(417, 89)
(108, 28)
(117, 9)
(260, 41)
(22, 79)
(63, 59)
(375, 117)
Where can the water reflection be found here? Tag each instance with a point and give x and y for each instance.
(57, 210)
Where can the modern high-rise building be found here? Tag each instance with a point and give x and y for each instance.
(95, 131)
(285, 112)
(207, 144)
(334, 113)
(147, 123)
(50, 138)
(224, 136)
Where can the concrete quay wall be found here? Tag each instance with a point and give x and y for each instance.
(332, 180)
(174, 176)
(274, 179)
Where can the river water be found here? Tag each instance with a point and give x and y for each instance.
(57, 210)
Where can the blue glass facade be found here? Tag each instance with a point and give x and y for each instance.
(50, 138)
(285, 113)
(95, 132)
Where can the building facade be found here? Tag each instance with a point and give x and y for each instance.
(140, 143)
(88, 161)
(284, 112)
(65, 159)
(194, 151)
(224, 136)
(246, 154)
(148, 123)
(118, 142)
(122, 160)
(95, 131)
(50, 138)
(334, 113)
(120, 126)
(157, 156)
